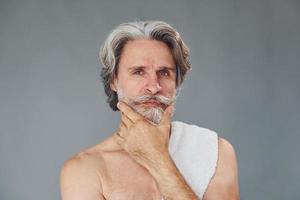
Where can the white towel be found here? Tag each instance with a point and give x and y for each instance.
(195, 152)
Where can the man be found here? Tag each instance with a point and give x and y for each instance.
(150, 157)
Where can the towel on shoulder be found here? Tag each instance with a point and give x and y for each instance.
(194, 151)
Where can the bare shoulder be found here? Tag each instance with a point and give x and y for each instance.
(225, 180)
(83, 162)
(81, 175)
(226, 152)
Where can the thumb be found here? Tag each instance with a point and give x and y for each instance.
(167, 116)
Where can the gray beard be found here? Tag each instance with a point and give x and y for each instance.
(153, 114)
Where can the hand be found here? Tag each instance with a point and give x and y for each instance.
(144, 141)
(147, 144)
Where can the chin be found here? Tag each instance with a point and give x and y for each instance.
(153, 114)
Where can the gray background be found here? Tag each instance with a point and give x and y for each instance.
(244, 85)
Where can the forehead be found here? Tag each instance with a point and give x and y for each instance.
(146, 52)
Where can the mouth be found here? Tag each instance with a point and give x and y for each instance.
(152, 103)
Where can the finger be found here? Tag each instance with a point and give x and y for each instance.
(123, 130)
(128, 111)
(167, 116)
(118, 139)
(127, 122)
(119, 134)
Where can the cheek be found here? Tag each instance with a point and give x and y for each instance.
(131, 88)
(169, 89)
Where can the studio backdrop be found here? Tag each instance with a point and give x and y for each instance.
(244, 84)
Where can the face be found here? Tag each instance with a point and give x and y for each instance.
(146, 78)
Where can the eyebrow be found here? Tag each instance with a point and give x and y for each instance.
(169, 68)
(143, 67)
(136, 67)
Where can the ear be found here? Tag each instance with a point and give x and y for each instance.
(113, 85)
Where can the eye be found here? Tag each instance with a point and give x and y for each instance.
(138, 72)
(164, 72)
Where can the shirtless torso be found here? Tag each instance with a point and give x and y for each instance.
(105, 171)
(114, 174)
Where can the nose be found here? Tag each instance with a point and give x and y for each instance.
(152, 85)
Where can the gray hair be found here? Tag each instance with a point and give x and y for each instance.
(110, 52)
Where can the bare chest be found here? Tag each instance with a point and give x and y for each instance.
(124, 179)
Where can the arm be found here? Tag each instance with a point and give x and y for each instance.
(224, 184)
(169, 180)
(147, 144)
(80, 180)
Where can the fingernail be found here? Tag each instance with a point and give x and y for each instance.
(118, 104)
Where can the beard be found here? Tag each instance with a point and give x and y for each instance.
(153, 114)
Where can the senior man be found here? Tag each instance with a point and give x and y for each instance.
(149, 156)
